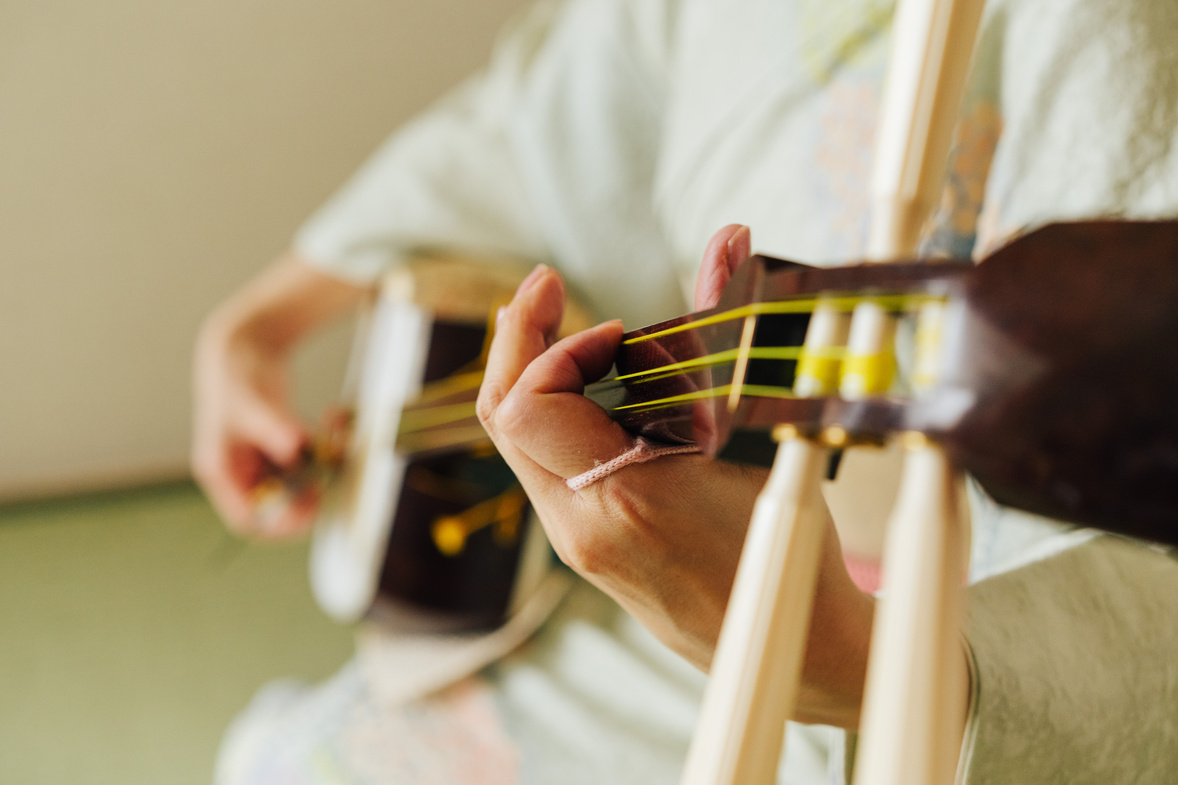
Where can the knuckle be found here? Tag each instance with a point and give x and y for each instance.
(510, 417)
(625, 533)
(619, 500)
(487, 404)
(637, 518)
(585, 553)
(583, 548)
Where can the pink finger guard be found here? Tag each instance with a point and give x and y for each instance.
(641, 452)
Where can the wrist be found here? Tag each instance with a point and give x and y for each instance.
(234, 330)
(274, 311)
(836, 670)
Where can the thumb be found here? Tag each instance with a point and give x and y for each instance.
(274, 430)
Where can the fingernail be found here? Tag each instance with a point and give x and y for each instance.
(533, 276)
(739, 237)
(499, 314)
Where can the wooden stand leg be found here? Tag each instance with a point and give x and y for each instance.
(758, 661)
(914, 705)
(915, 700)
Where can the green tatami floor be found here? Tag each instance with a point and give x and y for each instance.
(132, 629)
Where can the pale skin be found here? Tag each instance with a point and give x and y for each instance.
(662, 538)
(243, 425)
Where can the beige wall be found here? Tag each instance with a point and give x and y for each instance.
(152, 156)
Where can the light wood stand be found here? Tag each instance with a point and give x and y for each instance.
(913, 711)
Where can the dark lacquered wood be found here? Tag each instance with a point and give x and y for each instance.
(1060, 393)
(470, 589)
(1082, 424)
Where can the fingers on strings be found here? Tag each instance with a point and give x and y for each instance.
(532, 403)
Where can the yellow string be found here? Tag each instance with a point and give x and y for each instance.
(891, 302)
(719, 358)
(420, 419)
(822, 366)
(868, 374)
(926, 368)
(748, 390)
(451, 385)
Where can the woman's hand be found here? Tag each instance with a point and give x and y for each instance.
(244, 429)
(663, 538)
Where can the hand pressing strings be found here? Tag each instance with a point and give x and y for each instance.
(728, 248)
(662, 537)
